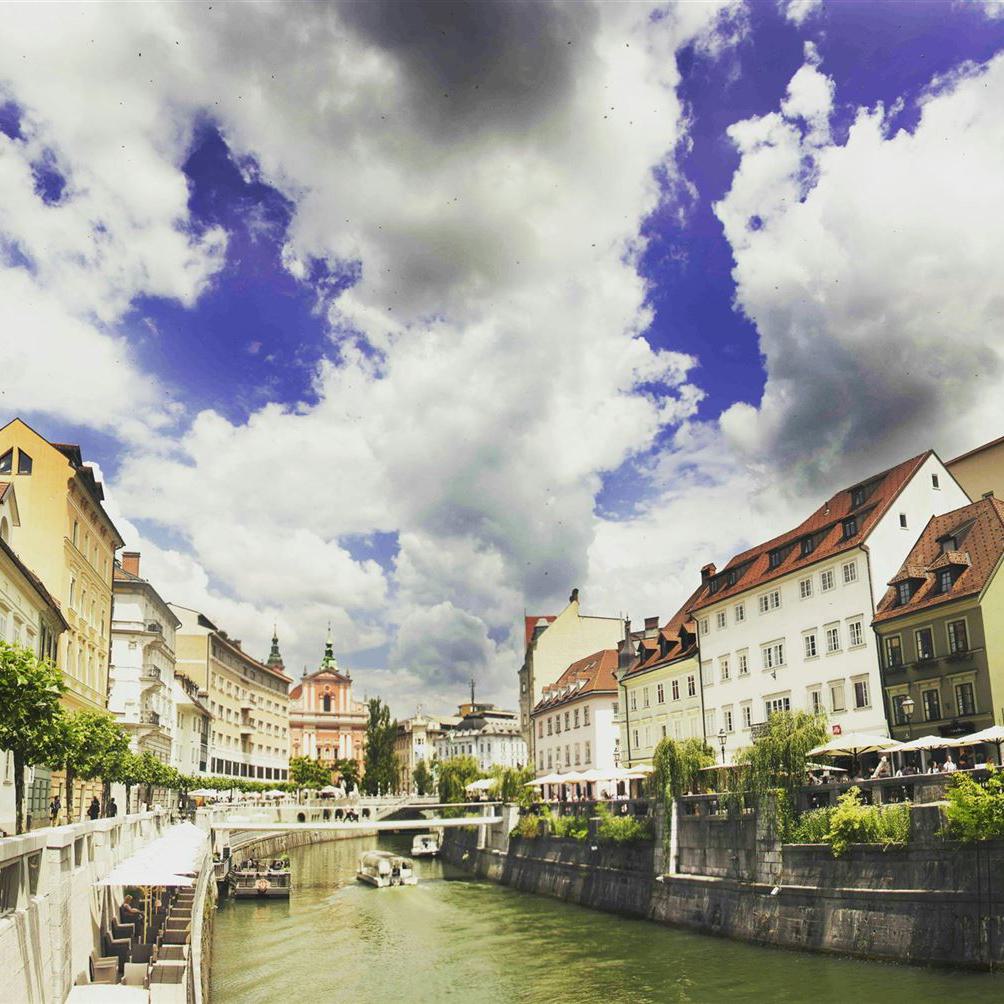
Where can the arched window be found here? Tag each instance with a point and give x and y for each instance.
(327, 702)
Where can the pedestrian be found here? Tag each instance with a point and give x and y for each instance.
(113, 809)
(54, 806)
(94, 809)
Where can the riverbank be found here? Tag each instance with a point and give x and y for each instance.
(933, 902)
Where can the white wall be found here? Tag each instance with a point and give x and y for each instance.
(600, 733)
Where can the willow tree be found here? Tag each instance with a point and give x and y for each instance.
(455, 775)
(676, 763)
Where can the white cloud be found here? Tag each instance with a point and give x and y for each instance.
(799, 11)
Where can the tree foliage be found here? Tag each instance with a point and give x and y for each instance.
(976, 811)
(29, 712)
(348, 774)
(455, 775)
(676, 766)
(380, 764)
(90, 744)
(423, 778)
(509, 784)
(305, 772)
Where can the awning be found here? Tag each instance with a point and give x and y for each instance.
(171, 860)
(994, 734)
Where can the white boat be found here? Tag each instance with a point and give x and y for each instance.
(381, 868)
(425, 845)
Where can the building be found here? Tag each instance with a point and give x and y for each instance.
(574, 721)
(660, 691)
(29, 617)
(415, 742)
(192, 728)
(490, 735)
(248, 700)
(981, 471)
(552, 643)
(784, 625)
(69, 542)
(325, 722)
(940, 626)
(141, 675)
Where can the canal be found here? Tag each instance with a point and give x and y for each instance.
(455, 938)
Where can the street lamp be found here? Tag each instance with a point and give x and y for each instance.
(907, 707)
(722, 739)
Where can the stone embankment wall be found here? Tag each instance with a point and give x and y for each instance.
(273, 845)
(931, 902)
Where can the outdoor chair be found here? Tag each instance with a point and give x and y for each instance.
(135, 974)
(104, 969)
(117, 947)
(141, 953)
(127, 931)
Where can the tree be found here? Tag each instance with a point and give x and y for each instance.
(509, 784)
(305, 772)
(676, 765)
(29, 713)
(348, 774)
(423, 778)
(455, 775)
(380, 767)
(91, 745)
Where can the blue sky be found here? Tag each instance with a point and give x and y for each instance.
(424, 322)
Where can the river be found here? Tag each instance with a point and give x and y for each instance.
(456, 938)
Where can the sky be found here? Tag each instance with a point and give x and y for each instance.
(410, 317)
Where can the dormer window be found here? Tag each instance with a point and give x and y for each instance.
(850, 527)
(857, 497)
(714, 585)
(730, 579)
(808, 546)
(904, 590)
(946, 579)
(774, 558)
(948, 544)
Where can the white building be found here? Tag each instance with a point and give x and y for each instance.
(785, 625)
(488, 734)
(141, 672)
(416, 741)
(192, 728)
(574, 721)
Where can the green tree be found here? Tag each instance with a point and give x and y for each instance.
(348, 774)
(455, 775)
(91, 744)
(29, 713)
(380, 767)
(305, 772)
(509, 784)
(677, 764)
(423, 778)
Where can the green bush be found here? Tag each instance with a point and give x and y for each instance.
(813, 827)
(621, 829)
(526, 826)
(851, 822)
(573, 827)
(976, 811)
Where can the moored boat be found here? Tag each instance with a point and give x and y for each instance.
(425, 845)
(260, 880)
(382, 869)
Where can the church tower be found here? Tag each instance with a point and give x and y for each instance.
(274, 660)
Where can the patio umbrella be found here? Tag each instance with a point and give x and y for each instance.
(854, 744)
(928, 743)
(482, 784)
(993, 734)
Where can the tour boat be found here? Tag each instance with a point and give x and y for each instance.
(258, 880)
(381, 868)
(425, 845)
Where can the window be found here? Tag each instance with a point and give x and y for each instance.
(723, 668)
(73, 591)
(826, 580)
(958, 638)
(23, 462)
(660, 693)
(945, 580)
(540, 729)
(805, 588)
(585, 714)
(674, 689)
(850, 572)
(588, 752)
(770, 601)
(965, 699)
(550, 727)
(861, 697)
(932, 705)
(774, 558)
(557, 725)
(808, 546)
(578, 755)
(327, 702)
(925, 644)
(740, 612)
(568, 718)
(7, 462)
(575, 718)
(855, 634)
(947, 544)
(727, 719)
(902, 520)
(709, 722)
(773, 655)
(935, 484)
(810, 645)
(550, 760)
(706, 677)
(634, 700)
(747, 713)
(691, 685)
(898, 714)
(645, 697)
(773, 704)
(816, 702)
(837, 696)
(857, 497)
(705, 626)
(744, 663)
(850, 527)
(568, 755)
(637, 744)
(833, 639)
(904, 590)
(720, 619)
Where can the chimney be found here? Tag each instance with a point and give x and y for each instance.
(989, 494)
(651, 627)
(574, 598)
(625, 650)
(707, 571)
(130, 562)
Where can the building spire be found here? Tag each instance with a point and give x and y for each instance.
(329, 661)
(275, 656)
(472, 693)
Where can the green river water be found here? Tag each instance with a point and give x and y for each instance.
(455, 938)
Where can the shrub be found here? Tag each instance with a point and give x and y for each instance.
(813, 827)
(621, 829)
(976, 811)
(851, 822)
(573, 827)
(527, 826)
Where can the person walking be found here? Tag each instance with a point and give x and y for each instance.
(94, 809)
(54, 806)
(113, 809)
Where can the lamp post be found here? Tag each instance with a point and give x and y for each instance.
(722, 738)
(907, 707)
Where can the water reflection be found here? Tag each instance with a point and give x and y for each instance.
(450, 938)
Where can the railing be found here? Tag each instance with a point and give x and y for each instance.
(588, 807)
(150, 674)
(148, 717)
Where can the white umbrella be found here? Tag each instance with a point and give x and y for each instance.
(928, 743)
(854, 744)
(482, 784)
(546, 779)
(204, 793)
(993, 734)
(328, 789)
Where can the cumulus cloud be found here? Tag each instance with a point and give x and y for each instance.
(799, 11)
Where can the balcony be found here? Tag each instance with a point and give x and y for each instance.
(148, 717)
(247, 729)
(149, 676)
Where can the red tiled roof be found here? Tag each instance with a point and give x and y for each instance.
(592, 675)
(978, 529)
(530, 625)
(752, 567)
(674, 645)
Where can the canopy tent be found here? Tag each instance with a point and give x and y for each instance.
(169, 860)
(854, 744)
(482, 784)
(546, 779)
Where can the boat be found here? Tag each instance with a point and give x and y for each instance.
(425, 845)
(381, 869)
(260, 880)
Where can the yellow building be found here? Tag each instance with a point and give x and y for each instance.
(248, 699)
(981, 471)
(69, 542)
(660, 687)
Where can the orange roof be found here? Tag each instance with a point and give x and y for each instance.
(824, 529)
(976, 533)
(530, 625)
(678, 640)
(592, 675)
